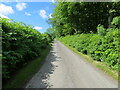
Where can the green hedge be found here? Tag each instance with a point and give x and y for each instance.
(103, 46)
(20, 44)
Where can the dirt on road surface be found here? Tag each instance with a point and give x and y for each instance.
(65, 69)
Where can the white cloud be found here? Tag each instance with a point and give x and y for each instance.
(43, 13)
(28, 14)
(50, 15)
(5, 10)
(38, 28)
(3, 16)
(53, 1)
(21, 6)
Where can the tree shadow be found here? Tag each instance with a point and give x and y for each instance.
(42, 76)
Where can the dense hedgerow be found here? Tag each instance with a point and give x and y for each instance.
(20, 44)
(103, 46)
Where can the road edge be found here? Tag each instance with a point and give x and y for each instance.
(107, 70)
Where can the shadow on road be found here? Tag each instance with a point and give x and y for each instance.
(42, 76)
(49, 67)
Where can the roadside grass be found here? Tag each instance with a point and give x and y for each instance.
(24, 74)
(106, 69)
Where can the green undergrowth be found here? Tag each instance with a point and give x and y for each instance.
(25, 73)
(20, 44)
(106, 69)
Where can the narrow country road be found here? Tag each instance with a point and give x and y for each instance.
(65, 69)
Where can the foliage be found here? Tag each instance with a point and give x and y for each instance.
(116, 21)
(103, 47)
(50, 32)
(82, 17)
(21, 43)
(101, 30)
(89, 27)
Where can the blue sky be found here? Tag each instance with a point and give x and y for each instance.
(31, 13)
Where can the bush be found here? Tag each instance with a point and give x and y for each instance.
(21, 43)
(103, 46)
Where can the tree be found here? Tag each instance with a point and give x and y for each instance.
(82, 17)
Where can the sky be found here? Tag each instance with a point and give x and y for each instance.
(30, 13)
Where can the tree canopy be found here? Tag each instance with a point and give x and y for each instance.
(82, 17)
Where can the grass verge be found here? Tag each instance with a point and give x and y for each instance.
(100, 65)
(25, 73)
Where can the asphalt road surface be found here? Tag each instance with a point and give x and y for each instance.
(65, 69)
